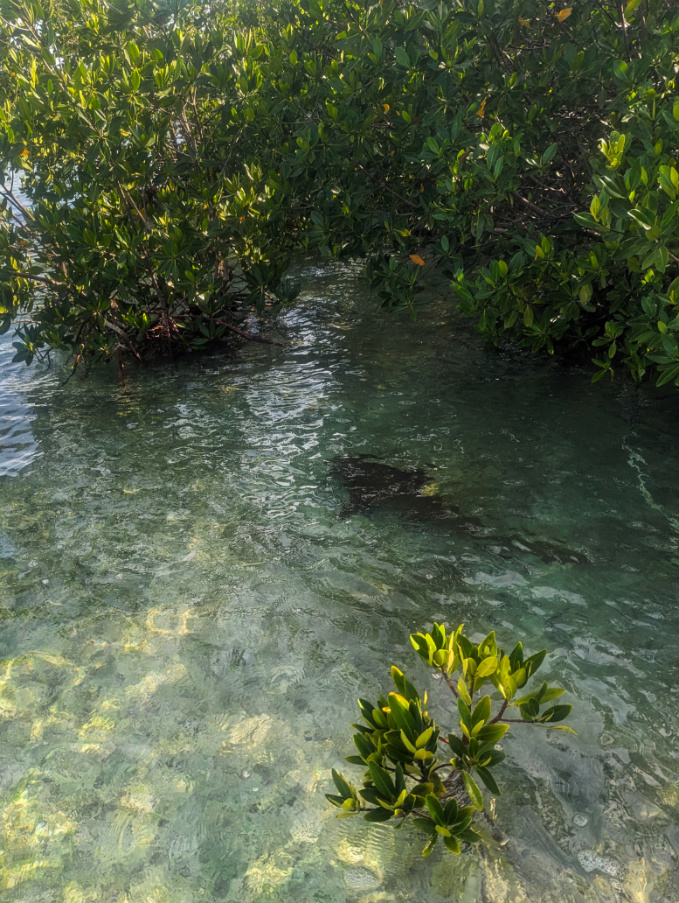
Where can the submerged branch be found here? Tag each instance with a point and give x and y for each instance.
(499, 715)
(450, 683)
(248, 335)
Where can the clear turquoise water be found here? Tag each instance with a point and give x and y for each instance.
(185, 621)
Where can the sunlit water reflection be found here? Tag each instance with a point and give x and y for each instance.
(186, 621)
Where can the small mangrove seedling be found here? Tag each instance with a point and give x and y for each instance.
(416, 772)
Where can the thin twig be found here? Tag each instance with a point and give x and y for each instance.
(387, 188)
(536, 209)
(248, 335)
(500, 713)
(450, 683)
(624, 29)
(15, 202)
(123, 334)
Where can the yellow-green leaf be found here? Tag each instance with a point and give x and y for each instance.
(489, 665)
(473, 791)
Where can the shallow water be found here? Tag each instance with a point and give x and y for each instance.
(187, 622)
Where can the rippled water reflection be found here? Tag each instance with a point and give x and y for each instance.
(186, 622)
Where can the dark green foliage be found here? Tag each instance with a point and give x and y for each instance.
(527, 149)
(176, 154)
(414, 773)
(148, 220)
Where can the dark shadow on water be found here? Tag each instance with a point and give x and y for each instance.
(372, 484)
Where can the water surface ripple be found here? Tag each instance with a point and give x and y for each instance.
(186, 622)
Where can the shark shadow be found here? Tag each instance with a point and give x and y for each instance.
(373, 485)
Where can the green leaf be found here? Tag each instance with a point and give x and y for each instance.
(463, 821)
(450, 812)
(370, 795)
(438, 631)
(382, 780)
(424, 755)
(429, 848)
(345, 789)
(610, 185)
(489, 665)
(667, 375)
(452, 844)
(488, 779)
(402, 57)
(439, 658)
(489, 758)
(423, 824)
(363, 745)
(642, 217)
(400, 712)
(366, 711)
(351, 814)
(492, 733)
(533, 663)
(556, 713)
(530, 709)
(465, 715)
(466, 647)
(406, 742)
(435, 809)
(516, 656)
(469, 835)
(482, 711)
(550, 152)
(473, 791)
(403, 685)
(551, 693)
(457, 747)
(423, 645)
(378, 815)
(423, 789)
(463, 690)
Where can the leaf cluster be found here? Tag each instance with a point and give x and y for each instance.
(132, 212)
(174, 157)
(414, 772)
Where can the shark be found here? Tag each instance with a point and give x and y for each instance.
(406, 492)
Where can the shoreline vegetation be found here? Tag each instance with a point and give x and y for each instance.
(175, 156)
